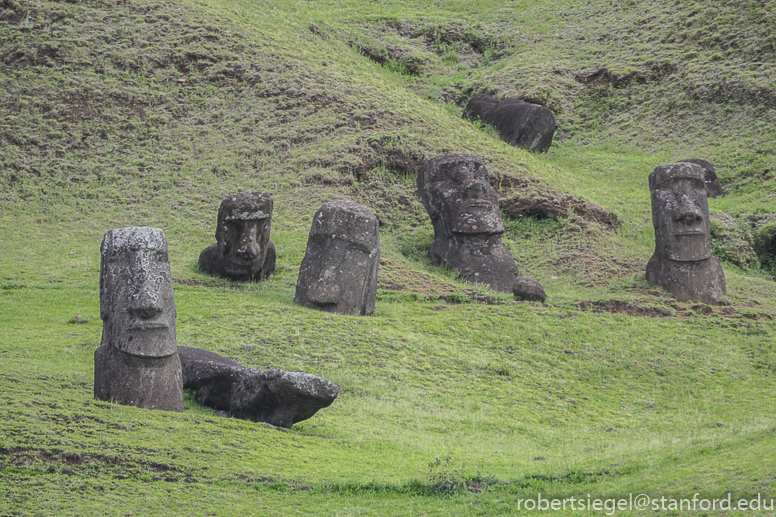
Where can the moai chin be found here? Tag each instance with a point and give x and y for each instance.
(339, 269)
(242, 250)
(682, 263)
(456, 192)
(137, 362)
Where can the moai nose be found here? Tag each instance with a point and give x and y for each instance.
(689, 214)
(147, 306)
(248, 248)
(476, 189)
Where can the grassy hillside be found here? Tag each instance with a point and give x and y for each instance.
(149, 113)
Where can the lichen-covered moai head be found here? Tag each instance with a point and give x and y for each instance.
(464, 210)
(137, 304)
(680, 212)
(242, 250)
(339, 269)
(137, 362)
(682, 262)
(242, 234)
(456, 191)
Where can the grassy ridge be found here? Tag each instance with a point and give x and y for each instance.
(133, 113)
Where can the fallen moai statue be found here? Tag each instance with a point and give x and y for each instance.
(463, 206)
(339, 269)
(242, 250)
(682, 262)
(275, 396)
(137, 362)
(522, 124)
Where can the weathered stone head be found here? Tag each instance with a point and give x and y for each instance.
(242, 250)
(680, 212)
(137, 362)
(456, 192)
(464, 210)
(339, 269)
(682, 262)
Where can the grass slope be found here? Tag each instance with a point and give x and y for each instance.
(132, 113)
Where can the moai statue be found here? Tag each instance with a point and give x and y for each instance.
(339, 269)
(243, 250)
(137, 362)
(274, 396)
(682, 262)
(464, 210)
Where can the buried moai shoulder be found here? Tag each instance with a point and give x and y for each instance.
(682, 262)
(340, 266)
(137, 362)
(242, 250)
(456, 193)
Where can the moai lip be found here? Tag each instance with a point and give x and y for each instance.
(242, 250)
(682, 262)
(137, 362)
(339, 269)
(456, 192)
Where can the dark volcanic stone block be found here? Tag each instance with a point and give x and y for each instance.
(456, 192)
(682, 262)
(522, 124)
(340, 266)
(242, 250)
(274, 396)
(137, 362)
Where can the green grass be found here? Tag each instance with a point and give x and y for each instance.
(149, 113)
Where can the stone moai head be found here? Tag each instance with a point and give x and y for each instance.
(682, 262)
(456, 192)
(339, 269)
(680, 212)
(242, 232)
(137, 362)
(137, 304)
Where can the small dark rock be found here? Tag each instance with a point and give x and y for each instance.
(528, 288)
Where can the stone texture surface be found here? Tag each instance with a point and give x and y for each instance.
(712, 184)
(277, 397)
(340, 266)
(522, 124)
(137, 362)
(682, 262)
(528, 288)
(463, 206)
(242, 250)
